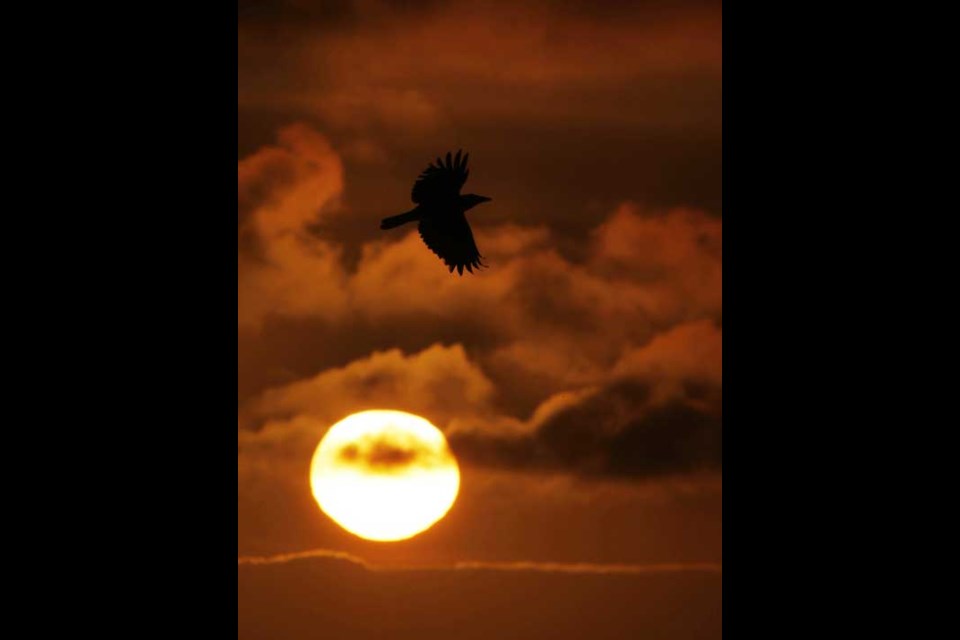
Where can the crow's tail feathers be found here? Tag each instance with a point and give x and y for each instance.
(477, 264)
(396, 221)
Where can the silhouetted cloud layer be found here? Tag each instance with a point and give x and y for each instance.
(603, 365)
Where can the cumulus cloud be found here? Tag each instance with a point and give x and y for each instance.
(647, 416)
(607, 364)
(613, 432)
(439, 382)
(282, 190)
(650, 415)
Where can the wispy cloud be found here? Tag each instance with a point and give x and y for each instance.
(283, 558)
(522, 566)
(589, 567)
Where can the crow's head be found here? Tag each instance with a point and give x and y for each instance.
(470, 200)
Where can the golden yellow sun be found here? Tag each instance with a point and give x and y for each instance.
(384, 475)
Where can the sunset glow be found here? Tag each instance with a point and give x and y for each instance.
(384, 475)
(572, 372)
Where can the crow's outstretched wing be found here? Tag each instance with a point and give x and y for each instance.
(452, 240)
(441, 182)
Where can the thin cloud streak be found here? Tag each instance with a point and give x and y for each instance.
(576, 568)
(587, 567)
(283, 558)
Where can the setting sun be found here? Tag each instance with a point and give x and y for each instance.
(384, 475)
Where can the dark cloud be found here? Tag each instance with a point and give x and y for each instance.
(306, 13)
(613, 432)
(380, 455)
(390, 452)
(267, 14)
(342, 14)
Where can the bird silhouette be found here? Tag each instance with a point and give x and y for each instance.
(441, 211)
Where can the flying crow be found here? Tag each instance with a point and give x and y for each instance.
(441, 213)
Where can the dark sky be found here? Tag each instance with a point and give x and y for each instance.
(578, 379)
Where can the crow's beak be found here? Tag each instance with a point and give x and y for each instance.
(485, 199)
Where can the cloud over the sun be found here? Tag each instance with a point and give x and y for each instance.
(439, 381)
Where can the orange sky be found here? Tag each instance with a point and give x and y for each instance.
(578, 379)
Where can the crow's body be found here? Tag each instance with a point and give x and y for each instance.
(441, 213)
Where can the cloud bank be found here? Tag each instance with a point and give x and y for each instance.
(603, 364)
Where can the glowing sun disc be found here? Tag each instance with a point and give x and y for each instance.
(384, 475)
